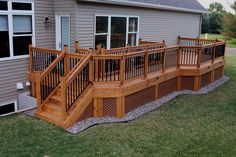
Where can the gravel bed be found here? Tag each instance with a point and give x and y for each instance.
(83, 125)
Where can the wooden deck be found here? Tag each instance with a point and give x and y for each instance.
(96, 83)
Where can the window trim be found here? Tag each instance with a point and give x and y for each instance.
(10, 13)
(109, 28)
(7, 103)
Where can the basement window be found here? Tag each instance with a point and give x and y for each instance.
(6, 109)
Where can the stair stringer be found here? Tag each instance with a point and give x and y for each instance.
(79, 107)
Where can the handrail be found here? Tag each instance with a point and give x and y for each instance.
(53, 64)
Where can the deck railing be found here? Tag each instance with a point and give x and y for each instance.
(74, 73)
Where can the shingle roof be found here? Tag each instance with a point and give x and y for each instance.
(186, 4)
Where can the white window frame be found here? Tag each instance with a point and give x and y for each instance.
(10, 102)
(109, 28)
(10, 13)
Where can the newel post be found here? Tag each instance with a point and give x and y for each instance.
(77, 46)
(179, 56)
(164, 60)
(63, 96)
(214, 53)
(122, 69)
(67, 60)
(199, 57)
(91, 69)
(38, 91)
(30, 58)
(146, 63)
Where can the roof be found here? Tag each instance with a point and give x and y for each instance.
(176, 5)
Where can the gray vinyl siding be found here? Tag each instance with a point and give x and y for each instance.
(155, 25)
(12, 72)
(44, 36)
(68, 7)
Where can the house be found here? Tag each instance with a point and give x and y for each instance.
(54, 23)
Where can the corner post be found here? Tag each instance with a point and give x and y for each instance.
(30, 58)
(199, 57)
(179, 57)
(164, 60)
(214, 53)
(122, 69)
(91, 70)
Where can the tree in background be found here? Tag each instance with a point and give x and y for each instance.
(229, 25)
(212, 22)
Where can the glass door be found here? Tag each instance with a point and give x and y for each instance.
(62, 31)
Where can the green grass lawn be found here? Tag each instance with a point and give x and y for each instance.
(230, 43)
(189, 126)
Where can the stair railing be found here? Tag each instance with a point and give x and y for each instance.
(48, 81)
(74, 84)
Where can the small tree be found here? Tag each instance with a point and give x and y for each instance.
(212, 21)
(229, 26)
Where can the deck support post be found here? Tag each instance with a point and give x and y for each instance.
(179, 83)
(98, 107)
(197, 83)
(120, 107)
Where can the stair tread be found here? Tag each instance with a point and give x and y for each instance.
(53, 107)
(52, 117)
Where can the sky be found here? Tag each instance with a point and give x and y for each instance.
(206, 3)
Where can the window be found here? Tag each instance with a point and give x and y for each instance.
(133, 31)
(4, 40)
(16, 29)
(21, 6)
(9, 108)
(101, 35)
(115, 31)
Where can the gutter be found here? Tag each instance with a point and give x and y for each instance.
(146, 5)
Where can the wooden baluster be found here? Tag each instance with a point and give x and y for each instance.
(179, 40)
(63, 97)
